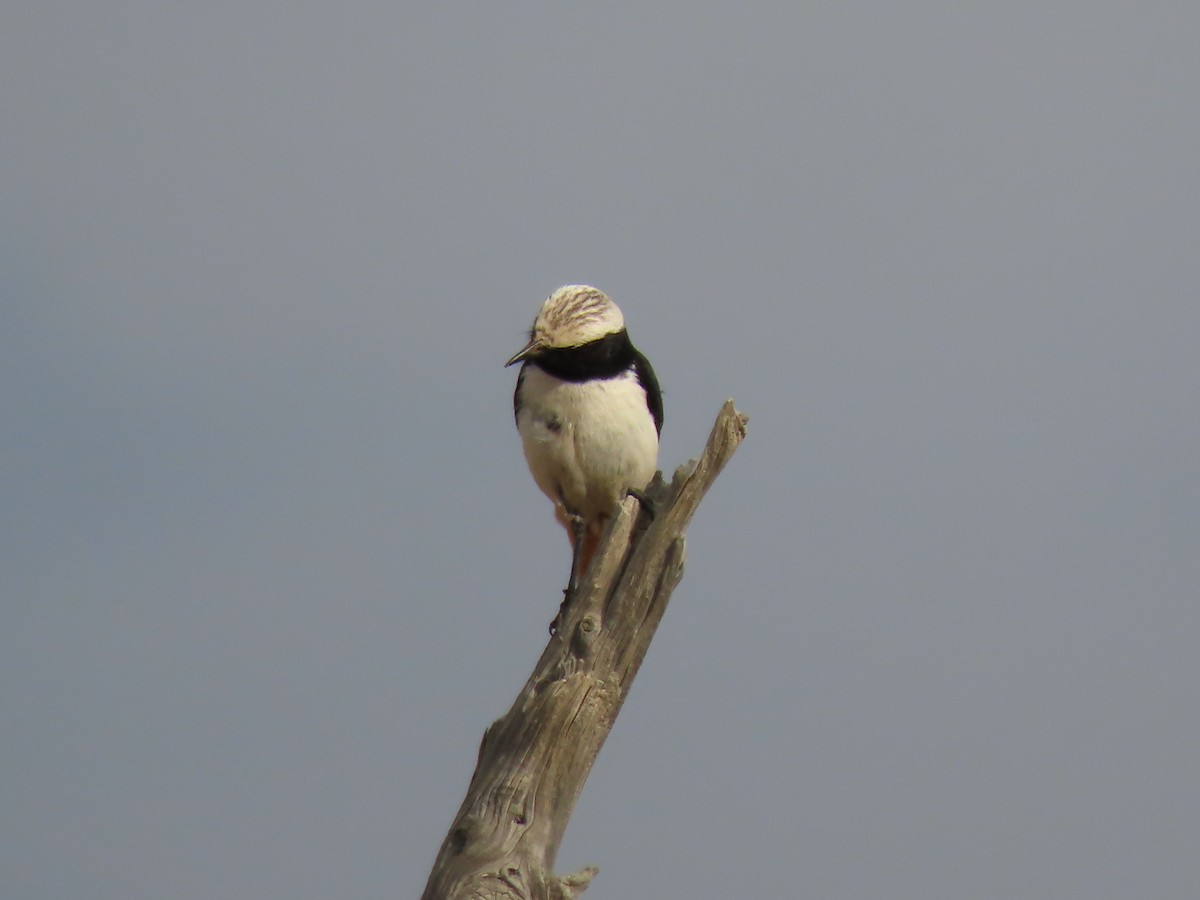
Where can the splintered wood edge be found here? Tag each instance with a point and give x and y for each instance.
(693, 479)
(728, 432)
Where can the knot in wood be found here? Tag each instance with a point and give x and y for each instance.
(584, 636)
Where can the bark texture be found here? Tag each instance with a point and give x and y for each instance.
(534, 760)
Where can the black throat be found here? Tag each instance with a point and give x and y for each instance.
(604, 357)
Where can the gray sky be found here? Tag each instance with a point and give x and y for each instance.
(269, 554)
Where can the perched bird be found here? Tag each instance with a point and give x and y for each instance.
(589, 412)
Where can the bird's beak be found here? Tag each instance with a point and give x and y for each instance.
(525, 352)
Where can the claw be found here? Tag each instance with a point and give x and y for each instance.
(642, 499)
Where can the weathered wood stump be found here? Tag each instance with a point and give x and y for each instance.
(534, 760)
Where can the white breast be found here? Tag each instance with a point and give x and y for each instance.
(587, 442)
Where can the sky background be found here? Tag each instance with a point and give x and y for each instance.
(270, 558)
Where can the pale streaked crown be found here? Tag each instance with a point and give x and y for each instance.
(574, 315)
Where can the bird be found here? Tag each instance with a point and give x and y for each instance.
(589, 411)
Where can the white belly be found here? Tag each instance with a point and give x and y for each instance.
(587, 443)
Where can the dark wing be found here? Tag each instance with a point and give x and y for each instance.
(649, 382)
(517, 392)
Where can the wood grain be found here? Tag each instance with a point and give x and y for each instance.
(534, 760)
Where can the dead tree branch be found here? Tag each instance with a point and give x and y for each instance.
(534, 760)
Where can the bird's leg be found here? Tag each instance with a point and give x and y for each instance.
(578, 529)
(642, 499)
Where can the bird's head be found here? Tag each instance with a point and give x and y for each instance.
(574, 315)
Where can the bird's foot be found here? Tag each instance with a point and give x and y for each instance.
(642, 499)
